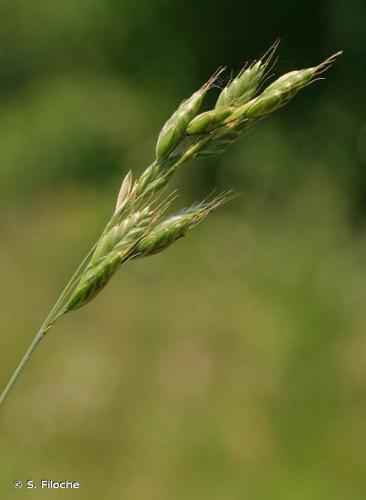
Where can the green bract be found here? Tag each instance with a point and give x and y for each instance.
(175, 128)
(205, 122)
(243, 87)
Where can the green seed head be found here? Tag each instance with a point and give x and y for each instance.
(138, 234)
(133, 231)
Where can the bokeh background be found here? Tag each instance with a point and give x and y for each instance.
(233, 366)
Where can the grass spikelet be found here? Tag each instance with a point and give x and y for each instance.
(244, 86)
(175, 226)
(175, 128)
(284, 89)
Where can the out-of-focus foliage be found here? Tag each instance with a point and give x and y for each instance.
(234, 366)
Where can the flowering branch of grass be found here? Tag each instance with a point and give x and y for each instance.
(138, 227)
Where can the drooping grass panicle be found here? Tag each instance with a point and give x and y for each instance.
(137, 227)
(131, 229)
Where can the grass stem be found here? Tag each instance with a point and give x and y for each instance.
(21, 366)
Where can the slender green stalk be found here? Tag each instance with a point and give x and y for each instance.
(57, 309)
(37, 339)
(54, 314)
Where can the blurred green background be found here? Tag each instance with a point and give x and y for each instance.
(233, 366)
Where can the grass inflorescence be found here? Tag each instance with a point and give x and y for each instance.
(139, 227)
